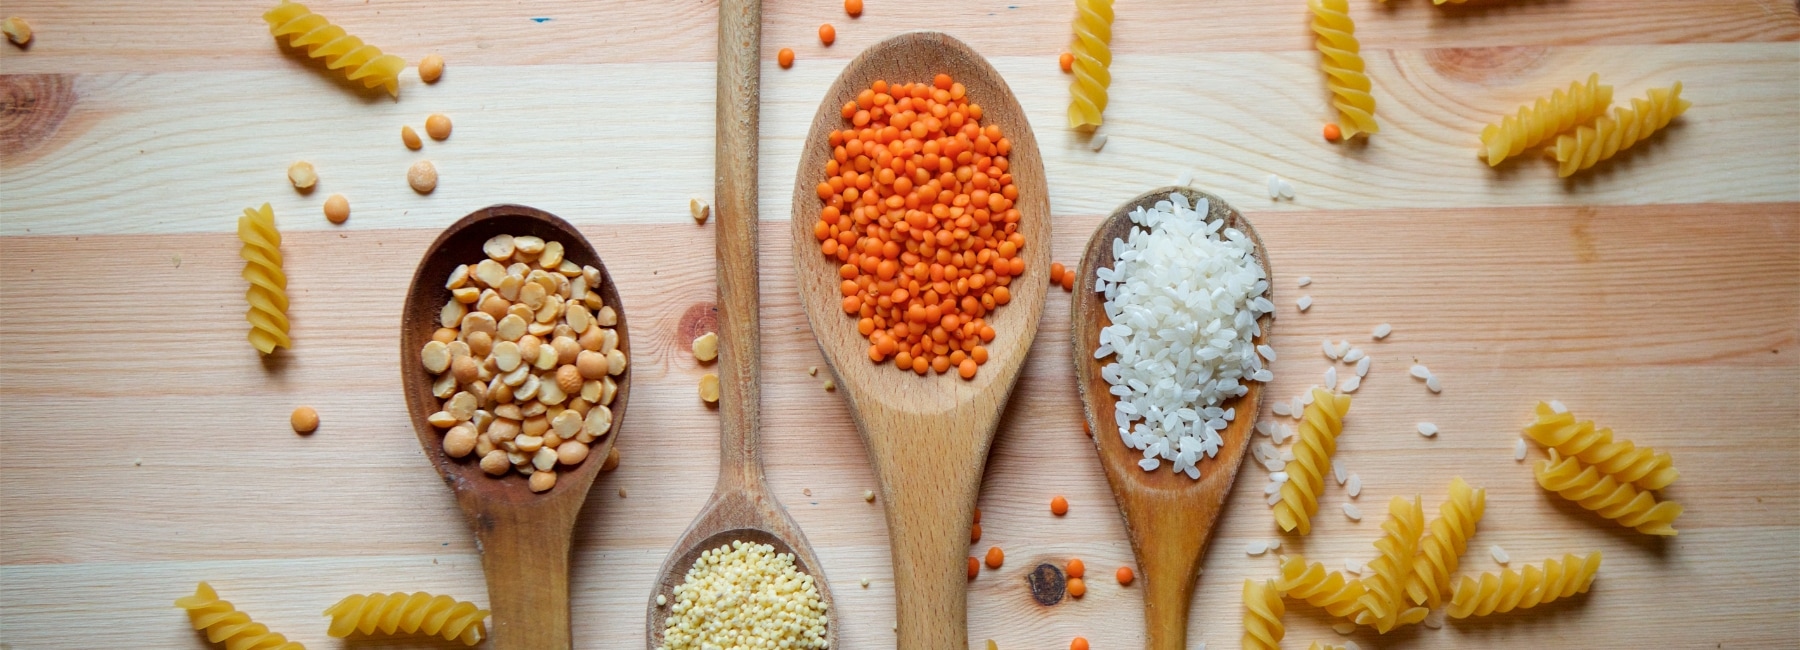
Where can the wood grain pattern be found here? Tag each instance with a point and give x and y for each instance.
(927, 436)
(1666, 280)
(741, 507)
(1168, 516)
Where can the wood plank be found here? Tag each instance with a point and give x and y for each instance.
(74, 36)
(134, 157)
(1628, 314)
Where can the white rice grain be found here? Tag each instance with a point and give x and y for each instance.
(1279, 408)
(1304, 303)
(1331, 378)
(1556, 406)
(1098, 142)
(1266, 352)
(1256, 548)
(1329, 349)
(1287, 190)
(1273, 544)
(1350, 384)
(1274, 499)
(1354, 488)
(1354, 355)
(1183, 300)
(1343, 348)
(1274, 186)
(1499, 554)
(1337, 472)
(1419, 371)
(1435, 619)
(1362, 366)
(1305, 280)
(1427, 429)
(1434, 385)
(1519, 449)
(1353, 566)
(1382, 331)
(1351, 511)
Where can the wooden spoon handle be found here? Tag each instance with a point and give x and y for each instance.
(1170, 534)
(930, 471)
(526, 559)
(734, 194)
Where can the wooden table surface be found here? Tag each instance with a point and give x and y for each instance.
(144, 446)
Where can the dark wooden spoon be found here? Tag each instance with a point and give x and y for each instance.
(523, 536)
(1169, 517)
(741, 507)
(927, 437)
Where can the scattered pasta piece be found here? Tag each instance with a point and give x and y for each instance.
(1383, 607)
(1589, 145)
(225, 624)
(1343, 66)
(1641, 466)
(1632, 508)
(402, 613)
(1093, 58)
(1327, 590)
(1262, 616)
(1548, 117)
(1498, 593)
(268, 285)
(341, 51)
(1442, 550)
(1319, 429)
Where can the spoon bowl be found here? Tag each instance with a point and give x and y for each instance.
(927, 436)
(1169, 516)
(523, 536)
(741, 507)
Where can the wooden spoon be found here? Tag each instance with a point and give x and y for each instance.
(741, 507)
(1169, 516)
(523, 536)
(927, 436)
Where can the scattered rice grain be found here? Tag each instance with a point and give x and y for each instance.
(1305, 280)
(1329, 349)
(1419, 371)
(1287, 190)
(1274, 183)
(1556, 406)
(1362, 366)
(1519, 449)
(1355, 486)
(1331, 378)
(1354, 355)
(1382, 331)
(1256, 548)
(1304, 303)
(1351, 511)
(1266, 352)
(1337, 472)
(1434, 385)
(1427, 429)
(1350, 384)
(1435, 619)
(1098, 142)
(1499, 554)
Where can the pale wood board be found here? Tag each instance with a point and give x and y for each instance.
(1659, 296)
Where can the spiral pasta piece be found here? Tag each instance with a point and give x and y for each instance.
(1625, 462)
(268, 285)
(1442, 550)
(1327, 590)
(341, 51)
(1589, 145)
(414, 613)
(1093, 57)
(1319, 429)
(1343, 66)
(1262, 616)
(1603, 494)
(1324, 646)
(225, 624)
(1498, 593)
(1545, 119)
(1383, 607)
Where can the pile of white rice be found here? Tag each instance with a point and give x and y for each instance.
(1183, 297)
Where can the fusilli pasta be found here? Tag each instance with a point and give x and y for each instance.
(1640, 466)
(1319, 428)
(225, 624)
(1549, 116)
(1382, 605)
(268, 285)
(1498, 593)
(1631, 507)
(341, 51)
(1442, 550)
(1262, 616)
(1610, 135)
(1343, 66)
(414, 613)
(1093, 58)
(1327, 590)
(1324, 646)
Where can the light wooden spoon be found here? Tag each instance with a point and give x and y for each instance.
(927, 437)
(1169, 517)
(741, 507)
(523, 536)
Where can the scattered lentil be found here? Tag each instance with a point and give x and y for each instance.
(1075, 568)
(827, 34)
(853, 7)
(974, 532)
(995, 557)
(431, 68)
(410, 138)
(974, 567)
(1333, 133)
(337, 209)
(305, 420)
(785, 57)
(1077, 587)
(1059, 506)
(1078, 643)
(1124, 576)
(1067, 61)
